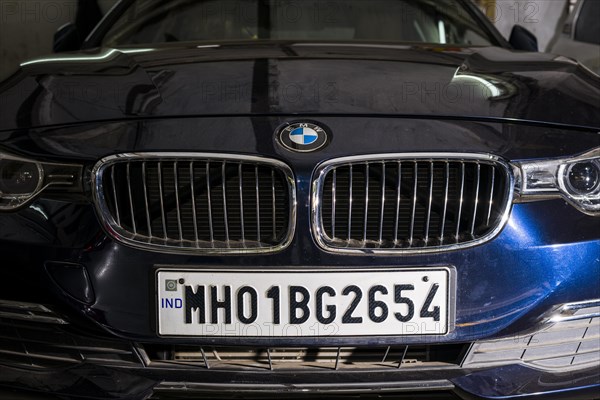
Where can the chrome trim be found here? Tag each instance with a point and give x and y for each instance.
(429, 204)
(145, 198)
(489, 213)
(474, 219)
(382, 209)
(210, 217)
(241, 187)
(349, 205)
(333, 200)
(224, 191)
(162, 200)
(398, 199)
(366, 219)
(130, 199)
(178, 206)
(114, 192)
(568, 312)
(114, 230)
(31, 312)
(273, 201)
(257, 202)
(445, 204)
(414, 204)
(324, 168)
(462, 198)
(193, 189)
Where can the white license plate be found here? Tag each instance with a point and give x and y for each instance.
(305, 303)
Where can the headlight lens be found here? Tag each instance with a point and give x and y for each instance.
(582, 178)
(21, 179)
(577, 179)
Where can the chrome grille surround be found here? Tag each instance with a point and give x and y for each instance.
(365, 246)
(180, 245)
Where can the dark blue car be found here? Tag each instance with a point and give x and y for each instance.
(300, 199)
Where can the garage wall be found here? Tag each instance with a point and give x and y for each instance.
(27, 28)
(541, 17)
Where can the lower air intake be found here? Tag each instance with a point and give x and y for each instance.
(428, 356)
(32, 336)
(570, 340)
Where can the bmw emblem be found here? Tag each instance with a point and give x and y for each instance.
(303, 137)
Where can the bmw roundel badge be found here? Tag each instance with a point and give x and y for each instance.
(303, 137)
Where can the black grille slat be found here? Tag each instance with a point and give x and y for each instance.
(411, 203)
(194, 203)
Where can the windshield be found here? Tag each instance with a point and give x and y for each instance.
(388, 21)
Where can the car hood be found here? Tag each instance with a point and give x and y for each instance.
(300, 79)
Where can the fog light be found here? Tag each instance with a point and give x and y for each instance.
(583, 178)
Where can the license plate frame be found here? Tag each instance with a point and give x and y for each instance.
(286, 279)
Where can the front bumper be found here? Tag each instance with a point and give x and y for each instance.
(503, 287)
(42, 351)
(110, 382)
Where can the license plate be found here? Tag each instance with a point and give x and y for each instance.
(305, 303)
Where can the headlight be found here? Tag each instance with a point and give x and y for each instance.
(21, 179)
(582, 178)
(576, 179)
